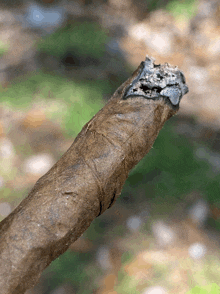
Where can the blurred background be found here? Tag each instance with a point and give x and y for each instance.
(60, 62)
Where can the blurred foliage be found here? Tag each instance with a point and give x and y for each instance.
(203, 276)
(84, 51)
(83, 104)
(97, 230)
(84, 38)
(172, 169)
(82, 100)
(72, 268)
(155, 4)
(215, 223)
(3, 48)
(127, 256)
(119, 230)
(182, 9)
(179, 8)
(126, 284)
(212, 288)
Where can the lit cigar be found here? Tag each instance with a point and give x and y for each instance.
(89, 177)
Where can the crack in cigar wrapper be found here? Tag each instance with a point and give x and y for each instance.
(154, 81)
(89, 176)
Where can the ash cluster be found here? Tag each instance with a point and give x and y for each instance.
(154, 81)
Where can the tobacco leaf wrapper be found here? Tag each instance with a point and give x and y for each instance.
(89, 176)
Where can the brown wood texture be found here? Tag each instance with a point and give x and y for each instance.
(88, 178)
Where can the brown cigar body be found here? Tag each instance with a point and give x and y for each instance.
(89, 177)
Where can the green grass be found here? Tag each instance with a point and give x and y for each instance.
(127, 256)
(78, 101)
(3, 48)
(75, 269)
(170, 171)
(84, 38)
(212, 289)
(203, 276)
(81, 99)
(88, 103)
(96, 230)
(182, 9)
(126, 284)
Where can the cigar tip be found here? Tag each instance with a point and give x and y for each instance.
(155, 81)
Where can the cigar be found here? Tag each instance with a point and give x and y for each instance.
(89, 177)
